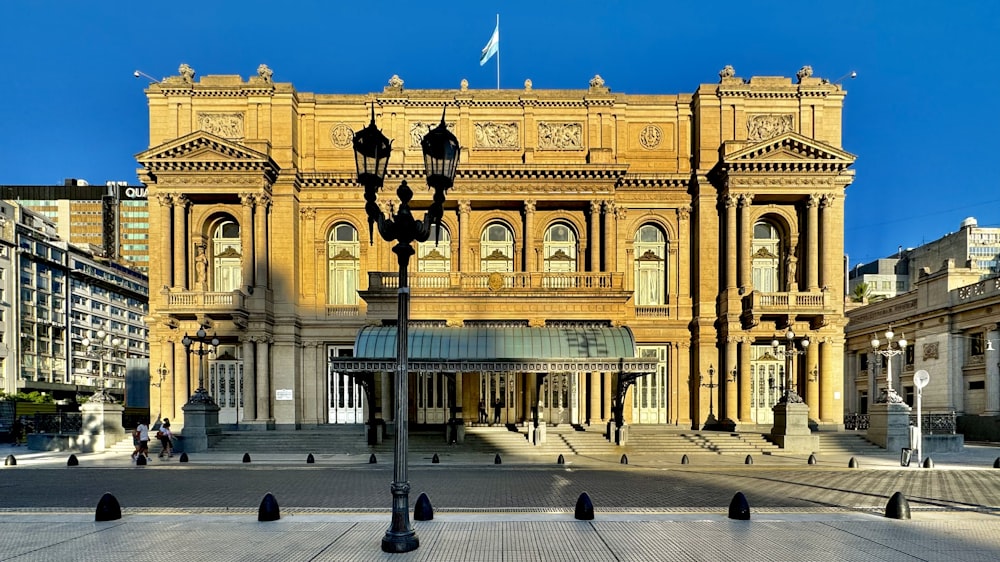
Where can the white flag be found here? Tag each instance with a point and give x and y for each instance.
(491, 48)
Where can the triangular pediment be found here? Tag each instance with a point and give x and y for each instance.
(788, 147)
(200, 150)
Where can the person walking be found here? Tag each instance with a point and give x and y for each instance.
(17, 430)
(483, 418)
(142, 432)
(166, 438)
(496, 411)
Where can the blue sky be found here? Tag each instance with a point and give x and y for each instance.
(919, 115)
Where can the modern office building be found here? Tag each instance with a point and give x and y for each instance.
(587, 230)
(53, 296)
(112, 220)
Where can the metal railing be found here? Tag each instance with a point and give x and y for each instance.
(66, 423)
(855, 422)
(936, 423)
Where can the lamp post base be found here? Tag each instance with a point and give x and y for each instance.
(397, 543)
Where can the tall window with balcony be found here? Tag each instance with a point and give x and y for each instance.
(496, 249)
(227, 253)
(343, 266)
(434, 255)
(766, 258)
(559, 250)
(650, 266)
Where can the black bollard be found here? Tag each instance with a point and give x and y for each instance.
(310, 459)
(928, 463)
(422, 510)
(246, 457)
(140, 460)
(184, 457)
(435, 459)
(748, 460)
(268, 510)
(624, 459)
(898, 507)
(11, 461)
(496, 459)
(739, 507)
(685, 460)
(371, 459)
(108, 508)
(853, 463)
(996, 463)
(584, 508)
(812, 459)
(560, 460)
(71, 461)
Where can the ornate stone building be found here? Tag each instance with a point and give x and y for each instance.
(685, 229)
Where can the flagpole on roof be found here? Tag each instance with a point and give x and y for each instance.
(498, 52)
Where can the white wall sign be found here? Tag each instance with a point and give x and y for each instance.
(283, 394)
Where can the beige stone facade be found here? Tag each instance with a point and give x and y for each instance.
(705, 222)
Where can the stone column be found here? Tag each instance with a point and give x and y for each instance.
(594, 243)
(608, 393)
(307, 381)
(464, 242)
(263, 380)
(529, 236)
(247, 201)
(683, 374)
(262, 260)
(992, 373)
(746, 240)
(684, 261)
(167, 389)
(811, 394)
(826, 275)
(166, 235)
(609, 236)
(827, 414)
(731, 239)
(745, 376)
(181, 242)
(813, 255)
(621, 214)
(249, 382)
(728, 379)
(595, 398)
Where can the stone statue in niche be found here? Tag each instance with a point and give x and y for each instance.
(201, 267)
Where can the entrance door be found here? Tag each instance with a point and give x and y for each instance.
(433, 398)
(347, 398)
(225, 385)
(649, 394)
(767, 377)
(502, 386)
(556, 392)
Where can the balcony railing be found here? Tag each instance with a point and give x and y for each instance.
(758, 303)
(942, 423)
(487, 281)
(342, 311)
(207, 301)
(658, 311)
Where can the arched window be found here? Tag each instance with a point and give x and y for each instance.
(435, 257)
(227, 255)
(560, 249)
(342, 251)
(650, 266)
(496, 249)
(766, 257)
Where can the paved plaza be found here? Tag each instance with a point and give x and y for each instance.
(653, 508)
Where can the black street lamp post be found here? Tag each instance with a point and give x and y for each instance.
(205, 346)
(710, 385)
(371, 153)
(789, 352)
(888, 394)
(103, 345)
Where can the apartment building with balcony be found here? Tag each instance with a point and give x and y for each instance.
(596, 246)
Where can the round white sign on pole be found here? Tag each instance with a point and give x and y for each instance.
(921, 378)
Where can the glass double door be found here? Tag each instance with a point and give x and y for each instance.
(555, 397)
(500, 391)
(435, 394)
(347, 397)
(767, 374)
(225, 385)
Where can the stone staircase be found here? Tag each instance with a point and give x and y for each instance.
(847, 442)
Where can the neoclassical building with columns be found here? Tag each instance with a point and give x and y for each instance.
(596, 246)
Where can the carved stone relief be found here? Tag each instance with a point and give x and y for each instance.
(418, 129)
(490, 134)
(341, 135)
(226, 125)
(560, 136)
(763, 127)
(650, 137)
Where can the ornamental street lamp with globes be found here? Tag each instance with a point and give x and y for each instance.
(205, 346)
(371, 153)
(888, 395)
(789, 352)
(102, 345)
